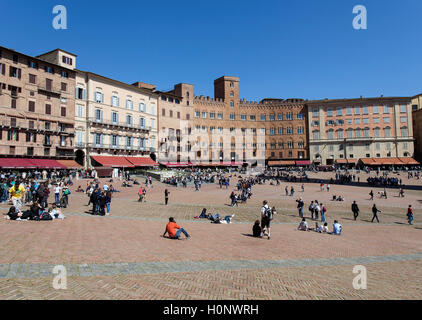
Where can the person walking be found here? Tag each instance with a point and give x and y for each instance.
(410, 215)
(16, 194)
(372, 195)
(355, 210)
(323, 211)
(375, 213)
(166, 196)
(266, 217)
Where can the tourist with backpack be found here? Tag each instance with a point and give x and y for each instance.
(266, 217)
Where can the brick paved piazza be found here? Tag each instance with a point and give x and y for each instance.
(123, 256)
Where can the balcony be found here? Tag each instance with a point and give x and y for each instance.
(115, 124)
(49, 91)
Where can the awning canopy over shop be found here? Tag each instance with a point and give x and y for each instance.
(389, 161)
(287, 163)
(176, 164)
(47, 164)
(303, 163)
(142, 161)
(113, 162)
(16, 163)
(70, 164)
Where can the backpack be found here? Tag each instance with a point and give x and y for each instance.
(268, 214)
(324, 209)
(45, 216)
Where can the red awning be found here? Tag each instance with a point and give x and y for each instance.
(303, 163)
(47, 164)
(176, 164)
(113, 162)
(70, 164)
(16, 163)
(231, 164)
(287, 163)
(274, 163)
(409, 161)
(142, 161)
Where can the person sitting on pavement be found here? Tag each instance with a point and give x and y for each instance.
(337, 228)
(226, 220)
(55, 213)
(256, 229)
(174, 230)
(203, 214)
(16, 214)
(323, 228)
(303, 226)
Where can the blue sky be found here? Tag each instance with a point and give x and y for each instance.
(279, 49)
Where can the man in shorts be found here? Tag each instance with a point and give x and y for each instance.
(266, 217)
(16, 193)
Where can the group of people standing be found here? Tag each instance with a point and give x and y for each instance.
(100, 198)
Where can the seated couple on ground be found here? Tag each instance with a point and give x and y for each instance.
(174, 230)
(337, 228)
(215, 218)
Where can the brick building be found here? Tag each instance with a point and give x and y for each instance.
(229, 129)
(347, 130)
(36, 105)
(175, 113)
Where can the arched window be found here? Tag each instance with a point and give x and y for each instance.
(404, 132)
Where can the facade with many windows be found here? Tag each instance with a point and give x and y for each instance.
(175, 114)
(36, 105)
(353, 129)
(114, 118)
(227, 128)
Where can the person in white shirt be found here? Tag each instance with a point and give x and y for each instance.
(337, 228)
(57, 194)
(303, 226)
(105, 188)
(317, 209)
(55, 213)
(322, 228)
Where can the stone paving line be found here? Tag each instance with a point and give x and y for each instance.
(33, 271)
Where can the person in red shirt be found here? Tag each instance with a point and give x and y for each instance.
(174, 230)
(410, 215)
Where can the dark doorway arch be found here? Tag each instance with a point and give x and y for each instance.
(80, 157)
